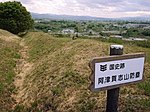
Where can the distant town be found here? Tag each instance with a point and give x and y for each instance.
(125, 30)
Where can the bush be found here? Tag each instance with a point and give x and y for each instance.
(145, 44)
(14, 17)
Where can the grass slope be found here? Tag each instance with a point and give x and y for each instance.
(9, 46)
(60, 78)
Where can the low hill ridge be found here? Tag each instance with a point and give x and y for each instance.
(7, 36)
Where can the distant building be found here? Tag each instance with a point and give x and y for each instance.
(111, 32)
(139, 39)
(117, 36)
(147, 27)
(67, 31)
(131, 25)
(134, 39)
(37, 21)
(49, 31)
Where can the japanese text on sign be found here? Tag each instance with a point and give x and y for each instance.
(116, 72)
(109, 72)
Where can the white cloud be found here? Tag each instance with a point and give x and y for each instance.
(99, 8)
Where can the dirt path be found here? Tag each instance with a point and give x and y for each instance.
(23, 67)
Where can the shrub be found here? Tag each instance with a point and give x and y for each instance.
(14, 17)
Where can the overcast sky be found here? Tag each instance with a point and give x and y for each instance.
(97, 8)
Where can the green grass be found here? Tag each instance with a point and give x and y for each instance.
(135, 103)
(8, 55)
(43, 45)
(61, 71)
(145, 103)
(145, 86)
(112, 40)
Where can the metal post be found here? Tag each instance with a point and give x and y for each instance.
(113, 94)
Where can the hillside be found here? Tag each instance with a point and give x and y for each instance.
(54, 76)
(9, 47)
(60, 77)
(7, 36)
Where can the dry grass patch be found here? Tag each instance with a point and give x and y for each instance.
(7, 36)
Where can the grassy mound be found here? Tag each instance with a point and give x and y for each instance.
(9, 47)
(7, 36)
(60, 77)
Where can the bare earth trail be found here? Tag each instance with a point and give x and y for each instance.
(23, 67)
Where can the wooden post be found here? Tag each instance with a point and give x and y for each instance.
(113, 94)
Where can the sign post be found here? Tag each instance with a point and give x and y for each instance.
(111, 72)
(113, 94)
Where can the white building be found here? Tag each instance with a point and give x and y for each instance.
(67, 31)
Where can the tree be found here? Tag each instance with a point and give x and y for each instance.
(14, 17)
(146, 32)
